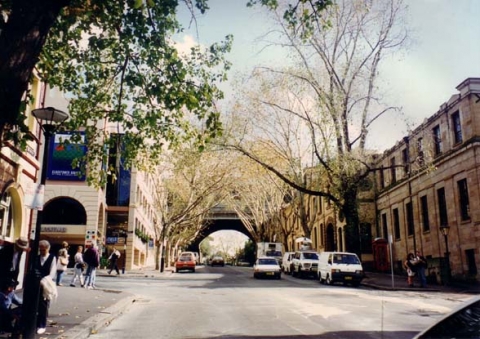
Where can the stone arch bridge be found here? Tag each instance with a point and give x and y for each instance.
(220, 219)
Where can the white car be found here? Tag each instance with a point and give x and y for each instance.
(266, 267)
(287, 262)
(305, 263)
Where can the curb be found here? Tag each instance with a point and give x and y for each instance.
(101, 320)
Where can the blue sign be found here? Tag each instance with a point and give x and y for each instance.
(112, 240)
(62, 155)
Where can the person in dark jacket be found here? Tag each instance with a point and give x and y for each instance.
(10, 257)
(92, 258)
(113, 261)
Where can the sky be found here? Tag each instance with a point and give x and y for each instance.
(444, 50)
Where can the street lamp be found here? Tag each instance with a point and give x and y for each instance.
(445, 229)
(49, 118)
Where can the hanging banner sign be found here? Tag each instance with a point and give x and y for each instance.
(34, 196)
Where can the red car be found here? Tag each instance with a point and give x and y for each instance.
(185, 262)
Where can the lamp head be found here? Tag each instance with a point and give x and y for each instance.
(50, 115)
(445, 229)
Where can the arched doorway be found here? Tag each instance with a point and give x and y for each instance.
(330, 238)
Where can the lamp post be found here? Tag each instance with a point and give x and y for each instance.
(125, 253)
(445, 229)
(49, 118)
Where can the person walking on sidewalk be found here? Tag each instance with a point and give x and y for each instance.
(92, 258)
(46, 264)
(78, 267)
(409, 265)
(421, 266)
(62, 262)
(113, 261)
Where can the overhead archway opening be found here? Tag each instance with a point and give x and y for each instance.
(64, 211)
(228, 244)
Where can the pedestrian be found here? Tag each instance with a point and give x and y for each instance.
(409, 265)
(78, 267)
(10, 257)
(113, 261)
(62, 262)
(10, 317)
(92, 258)
(421, 266)
(46, 264)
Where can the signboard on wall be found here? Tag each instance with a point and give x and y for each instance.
(61, 156)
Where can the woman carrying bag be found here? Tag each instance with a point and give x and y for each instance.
(62, 262)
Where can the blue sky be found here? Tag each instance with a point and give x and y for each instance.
(445, 50)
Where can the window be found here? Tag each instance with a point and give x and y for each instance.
(410, 225)
(382, 179)
(406, 160)
(437, 140)
(442, 207)
(420, 153)
(471, 263)
(457, 128)
(464, 201)
(6, 216)
(425, 220)
(385, 226)
(393, 170)
(396, 224)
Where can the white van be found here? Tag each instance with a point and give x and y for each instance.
(340, 267)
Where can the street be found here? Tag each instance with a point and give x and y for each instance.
(227, 302)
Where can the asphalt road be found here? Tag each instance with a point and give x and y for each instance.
(226, 302)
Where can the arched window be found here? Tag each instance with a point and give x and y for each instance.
(6, 216)
(64, 211)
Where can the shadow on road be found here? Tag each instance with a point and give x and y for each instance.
(335, 335)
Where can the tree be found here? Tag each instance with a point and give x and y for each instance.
(327, 102)
(118, 63)
(194, 182)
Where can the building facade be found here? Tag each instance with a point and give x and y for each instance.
(430, 183)
(421, 198)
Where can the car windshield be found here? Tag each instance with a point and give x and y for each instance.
(345, 259)
(274, 254)
(185, 258)
(267, 262)
(312, 256)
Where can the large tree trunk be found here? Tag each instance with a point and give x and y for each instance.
(350, 211)
(21, 43)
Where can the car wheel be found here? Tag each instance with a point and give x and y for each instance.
(193, 270)
(294, 274)
(176, 270)
(356, 284)
(329, 281)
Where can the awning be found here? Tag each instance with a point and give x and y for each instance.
(303, 239)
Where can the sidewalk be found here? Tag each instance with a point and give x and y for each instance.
(79, 312)
(384, 281)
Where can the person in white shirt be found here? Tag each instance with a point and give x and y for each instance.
(46, 264)
(78, 267)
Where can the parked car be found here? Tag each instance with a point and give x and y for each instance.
(266, 267)
(287, 262)
(462, 322)
(305, 263)
(217, 261)
(193, 254)
(185, 262)
(341, 267)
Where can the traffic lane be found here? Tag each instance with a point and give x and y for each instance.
(208, 305)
